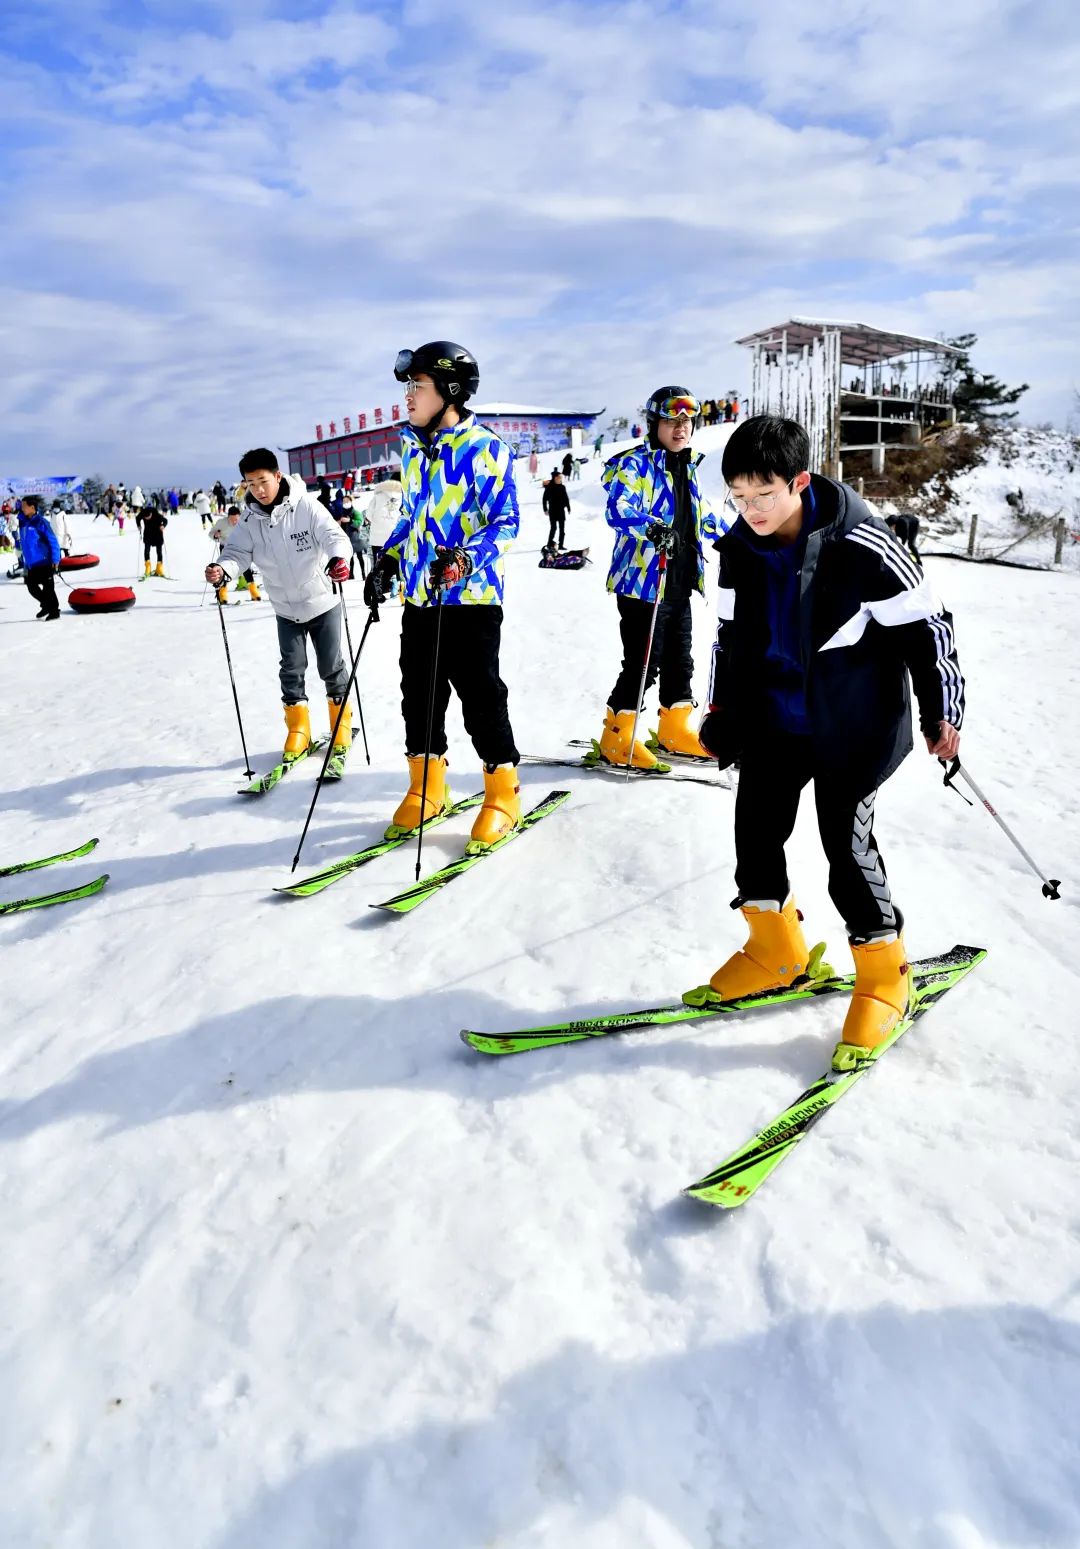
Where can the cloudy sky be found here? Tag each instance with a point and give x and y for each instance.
(221, 222)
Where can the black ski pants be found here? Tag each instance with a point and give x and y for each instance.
(42, 587)
(557, 519)
(469, 663)
(671, 657)
(157, 544)
(773, 771)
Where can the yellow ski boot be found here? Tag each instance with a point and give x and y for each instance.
(881, 998)
(501, 811)
(614, 745)
(344, 731)
(159, 569)
(146, 572)
(775, 955)
(299, 735)
(435, 800)
(675, 734)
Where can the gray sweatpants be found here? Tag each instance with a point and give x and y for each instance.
(325, 634)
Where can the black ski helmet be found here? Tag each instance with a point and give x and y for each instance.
(450, 366)
(655, 406)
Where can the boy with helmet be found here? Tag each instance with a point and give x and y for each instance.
(822, 617)
(459, 514)
(300, 552)
(655, 505)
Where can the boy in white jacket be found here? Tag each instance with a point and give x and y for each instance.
(300, 551)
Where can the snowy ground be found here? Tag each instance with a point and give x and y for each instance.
(287, 1268)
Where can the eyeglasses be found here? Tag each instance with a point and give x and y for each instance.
(412, 387)
(673, 408)
(760, 503)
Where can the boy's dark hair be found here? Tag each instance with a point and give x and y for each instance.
(259, 457)
(31, 500)
(233, 511)
(764, 448)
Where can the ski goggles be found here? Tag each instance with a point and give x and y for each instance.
(403, 364)
(674, 408)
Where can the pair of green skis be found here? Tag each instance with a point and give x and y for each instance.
(65, 895)
(427, 887)
(741, 1174)
(334, 770)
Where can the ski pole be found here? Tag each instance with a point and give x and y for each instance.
(348, 641)
(373, 618)
(236, 701)
(430, 719)
(648, 654)
(1050, 885)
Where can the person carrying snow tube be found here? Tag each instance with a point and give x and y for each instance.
(459, 514)
(655, 505)
(822, 617)
(152, 525)
(300, 551)
(40, 549)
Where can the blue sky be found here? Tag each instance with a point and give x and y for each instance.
(222, 223)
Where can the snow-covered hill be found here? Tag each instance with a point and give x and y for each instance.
(1025, 480)
(287, 1268)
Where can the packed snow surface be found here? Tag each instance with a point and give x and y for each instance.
(288, 1267)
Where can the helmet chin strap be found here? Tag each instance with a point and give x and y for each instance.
(434, 421)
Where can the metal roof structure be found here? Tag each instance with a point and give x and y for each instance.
(860, 343)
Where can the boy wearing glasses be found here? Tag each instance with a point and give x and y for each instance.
(656, 506)
(822, 617)
(459, 515)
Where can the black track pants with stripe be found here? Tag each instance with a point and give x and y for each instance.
(773, 772)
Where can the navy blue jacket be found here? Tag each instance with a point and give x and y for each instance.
(866, 617)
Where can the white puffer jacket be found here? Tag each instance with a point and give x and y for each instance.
(291, 548)
(384, 510)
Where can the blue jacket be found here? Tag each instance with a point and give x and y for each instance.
(38, 542)
(457, 491)
(640, 491)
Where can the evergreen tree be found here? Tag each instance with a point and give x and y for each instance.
(976, 394)
(93, 487)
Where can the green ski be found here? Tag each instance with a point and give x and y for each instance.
(67, 896)
(263, 783)
(744, 1171)
(527, 1038)
(413, 897)
(49, 860)
(338, 869)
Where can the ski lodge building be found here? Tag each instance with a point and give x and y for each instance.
(372, 445)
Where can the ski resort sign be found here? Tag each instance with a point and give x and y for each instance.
(50, 487)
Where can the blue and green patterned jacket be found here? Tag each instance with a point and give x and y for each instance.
(640, 492)
(457, 491)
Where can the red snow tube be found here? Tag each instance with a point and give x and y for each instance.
(79, 562)
(101, 599)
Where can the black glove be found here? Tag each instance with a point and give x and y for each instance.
(376, 585)
(449, 567)
(717, 736)
(664, 537)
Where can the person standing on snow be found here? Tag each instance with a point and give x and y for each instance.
(220, 534)
(300, 551)
(822, 617)
(40, 549)
(556, 502)
(153, 527)
(459, 514)
(656, 506)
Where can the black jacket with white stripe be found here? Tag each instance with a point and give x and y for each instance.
(867, 618)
